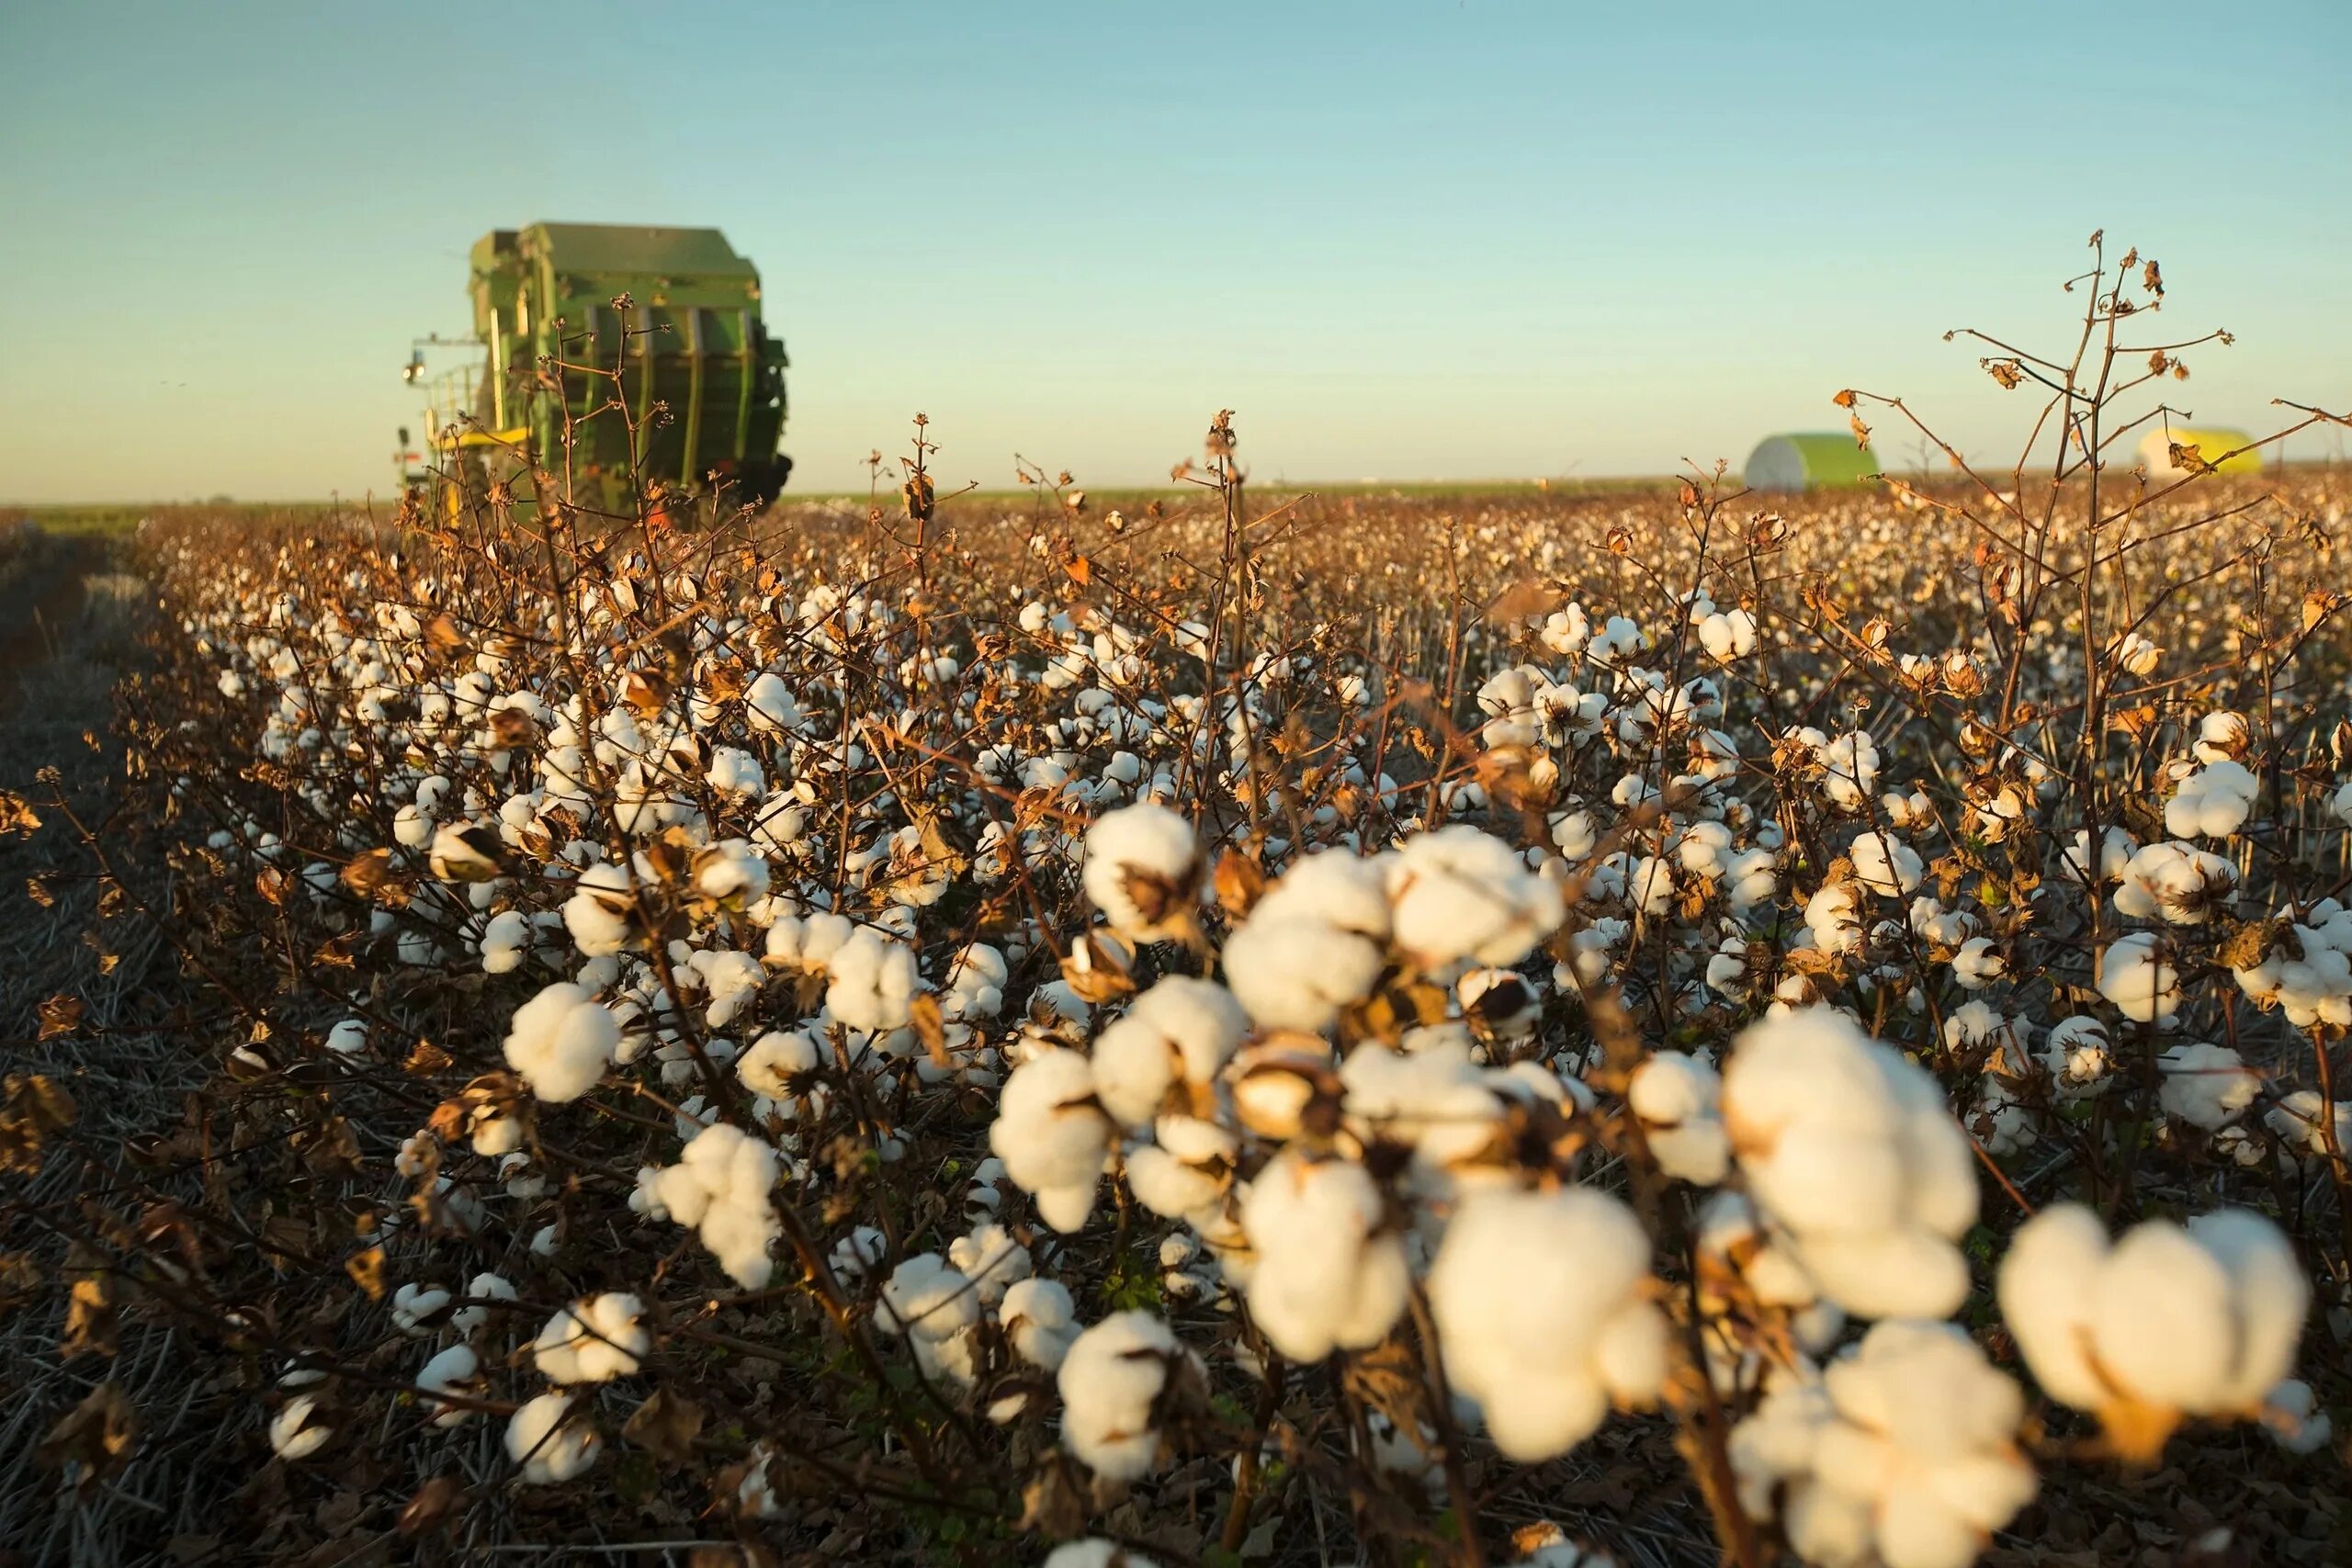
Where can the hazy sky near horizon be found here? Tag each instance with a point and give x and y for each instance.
(1455, 239)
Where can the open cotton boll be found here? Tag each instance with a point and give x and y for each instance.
(550, 1446)
(505, 941)
(2294, 1419)
(721, 1186)
(2213, 802)
(483, 1287)
(1457, 894)
(1142, 870)
(453, 1371)
(1850, 1148)
(1544, 1317)
(927, 1299)
(1040, 1321)
(299, 1428)
(776, 1060)
(1291, 973)
(1094, 1554)
(1180, 1031)
(1111, 1379)
(729, 871)
(349, 1038)
(874, 982)
(1329, 1277)
(1885, 864)
(418, 1310)
(993, 1258)
(1902, 1455)
(2134, 973)
(1728, 636)
(2206, 1085)
(594, 1341)
(597, 913)
(2175, 883)
(2303, 1122)
(1675, 1096)
(562, 1040)
(2169, 1321)
(1053, 1135)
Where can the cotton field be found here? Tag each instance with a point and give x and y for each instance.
(1504, 1029)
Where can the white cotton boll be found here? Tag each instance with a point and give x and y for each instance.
(993, 1258)
(452, 1371)
(1141, 866)
(1186, 1171)
(2223, 735)
(504, 942)
(926, 1299)
(594, 1341)
(562, 1040)
(1849, 769)
(1110, 1378)
(2213, 802)
(2168, 1321)
(1850, 1148)
(2075, 1054)
(2177, 883)
(1180, 1031)
(1543, 1315)
(299, 1429)
(1977, 964)
(2341, 804)
(1457, 893)
(1885, 864)
(1297, 972)
(1040, 1321)
(412, 829)
(349, 1038)
(418, 1310)
(1834, 916)
(598, 914)
(721, 1186)
(1093, 1553)
(2206, 1085)
(874, 982)
(2296, 1423)
(1902, 1454)
(1328, 1276)
(1675, 1097)
(776, 1061)
(2135, 976)
(494, 1287)
(550, 1446)
(2304, 1122)
(730, 872)
(1728, 636)
(1335, 889)
(735, 772)
(1053, 1135)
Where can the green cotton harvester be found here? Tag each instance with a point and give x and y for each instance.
(553, 363)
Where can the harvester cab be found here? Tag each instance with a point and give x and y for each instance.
(622, 360)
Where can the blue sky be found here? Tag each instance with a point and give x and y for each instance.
(1458, 239)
